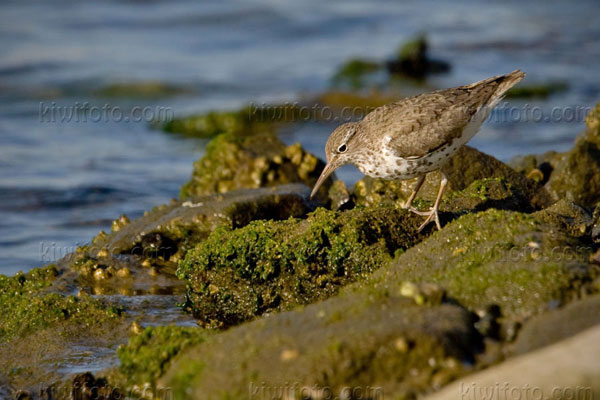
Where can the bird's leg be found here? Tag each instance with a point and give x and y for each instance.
(433, 214)
(408, 204)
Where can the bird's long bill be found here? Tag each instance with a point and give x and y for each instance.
(329, 168)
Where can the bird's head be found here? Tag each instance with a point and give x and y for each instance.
(340, 147)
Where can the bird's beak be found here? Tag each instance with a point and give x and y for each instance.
(328, 170)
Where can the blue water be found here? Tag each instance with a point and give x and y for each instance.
(60, 183)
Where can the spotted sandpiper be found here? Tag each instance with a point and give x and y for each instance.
(416, 135)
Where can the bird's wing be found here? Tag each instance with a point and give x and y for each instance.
(418, 125)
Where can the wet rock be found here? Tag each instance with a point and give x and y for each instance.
(576, 173)
(465, 168)
(252, 162)
(87, 387)
(339, 195)
(37, 314)
(27, 305)
(236, 275)
(414, 61)
(156, 245)
(163, 235)
(556, 325)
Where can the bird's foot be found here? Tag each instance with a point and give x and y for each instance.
(415, 211)
(432, 216)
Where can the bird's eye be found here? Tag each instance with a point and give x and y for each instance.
(342, 148)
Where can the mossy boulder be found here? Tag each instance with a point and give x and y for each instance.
(352, 345)
(521, 263)
(266, 266)
(252, 162)
(462, 170)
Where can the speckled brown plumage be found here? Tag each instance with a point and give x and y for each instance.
(414, 136)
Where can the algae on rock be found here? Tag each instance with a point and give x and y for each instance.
(519, 262)
(255, 161)
(27, 305)
(147, 355)
(236, 275)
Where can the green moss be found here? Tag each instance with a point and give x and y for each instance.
(26, 307)
(232, 162)
(536, 91)
(271, 265)
(147, 355)
(354, 72)
(499, 257)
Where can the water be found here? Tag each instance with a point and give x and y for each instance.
(60, 183)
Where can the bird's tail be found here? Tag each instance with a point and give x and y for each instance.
(502, 83)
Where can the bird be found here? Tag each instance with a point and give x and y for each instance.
(409, 138)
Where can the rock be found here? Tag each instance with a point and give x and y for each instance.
(569, 369)
(354, 343)
(465, 168)
(353, 73)
(86, 387)
(162, 237)
(147, 355)
(267, 266)
(556, 325)
(413, 60)
(252, 162)
(576, 173)
(27, 305)
(339, 195)
(244, 122)
(571, 217)
(518, 262)
(41, 325)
